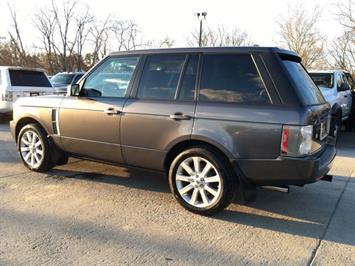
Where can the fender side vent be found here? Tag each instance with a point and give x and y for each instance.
(54, 121)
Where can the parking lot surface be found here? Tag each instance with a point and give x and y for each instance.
(87, 213)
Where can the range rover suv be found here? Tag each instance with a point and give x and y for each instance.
(215, 120)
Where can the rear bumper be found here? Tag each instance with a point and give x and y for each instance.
(5, 107)
(288, 171)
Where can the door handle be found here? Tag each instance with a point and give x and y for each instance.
(180, 116)
(112, 111)
(345, 96)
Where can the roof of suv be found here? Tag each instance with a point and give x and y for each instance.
(328, 71)
(239, 49)
(23, 68)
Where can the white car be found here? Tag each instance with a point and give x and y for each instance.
(335, 89)
(16, 82)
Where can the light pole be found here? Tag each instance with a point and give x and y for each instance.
(201, 16)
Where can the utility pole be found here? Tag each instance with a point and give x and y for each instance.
(201, 16)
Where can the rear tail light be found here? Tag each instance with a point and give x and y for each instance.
(297, 140)
(7, 96)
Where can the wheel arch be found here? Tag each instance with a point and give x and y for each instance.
(25, 121)
(190, 143)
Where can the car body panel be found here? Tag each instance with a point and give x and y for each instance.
(147, 130)
(86, 129)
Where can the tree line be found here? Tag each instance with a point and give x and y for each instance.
(68, 31)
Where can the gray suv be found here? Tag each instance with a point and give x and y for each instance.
(215, 120)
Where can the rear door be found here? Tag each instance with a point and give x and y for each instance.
(161, 111)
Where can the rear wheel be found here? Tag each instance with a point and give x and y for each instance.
(34, 148)
(201, 181)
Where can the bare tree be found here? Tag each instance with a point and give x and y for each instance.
(299, 33)
(99, 37)
(342, 50)
(220, 36)
(345, 14)
(16, 39)
(64, 20)
(166, 42)
(84, 27)
(127, 34)
(45, 23)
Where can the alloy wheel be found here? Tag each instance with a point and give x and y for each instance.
(198, 182)
(31, 148)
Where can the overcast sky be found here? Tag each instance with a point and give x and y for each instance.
(175, 18)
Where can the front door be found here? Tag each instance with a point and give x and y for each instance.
(162, 111)
(89, 125)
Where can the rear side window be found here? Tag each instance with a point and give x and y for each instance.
(28, 78)
(160, 77)
(231, 78)
(307, 90)
(323, 80)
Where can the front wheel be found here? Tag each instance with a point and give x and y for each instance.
(335, 125)
(201, 181)
(34, 148)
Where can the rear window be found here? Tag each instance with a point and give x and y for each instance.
(307, 90)
(28, 78)
(324, 80)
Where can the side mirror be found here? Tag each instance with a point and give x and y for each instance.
(74, 90)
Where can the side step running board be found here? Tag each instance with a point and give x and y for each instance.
(283, 189)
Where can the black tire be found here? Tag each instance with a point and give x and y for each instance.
(335, 125)
(227, 177)
(46, 162)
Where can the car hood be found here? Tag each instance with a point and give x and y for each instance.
(51, 101)
(57, 85)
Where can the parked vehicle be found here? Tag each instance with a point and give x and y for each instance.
(350, 80)
(337, 91)
(16, 82)
(61, 81)
(212, 119)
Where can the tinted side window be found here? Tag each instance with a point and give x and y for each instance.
(160, 77)
(231, 78)
(28, 78)
(112, 77)
(187, 90)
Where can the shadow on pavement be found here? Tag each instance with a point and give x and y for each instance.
(304, 212)
(109, 235)
(8, 153)
(138, 179)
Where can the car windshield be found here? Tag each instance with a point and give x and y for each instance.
(62, 79)
(307, 90)
(323, 80)
(28, 78)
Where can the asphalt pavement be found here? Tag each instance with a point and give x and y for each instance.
(87, 213)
